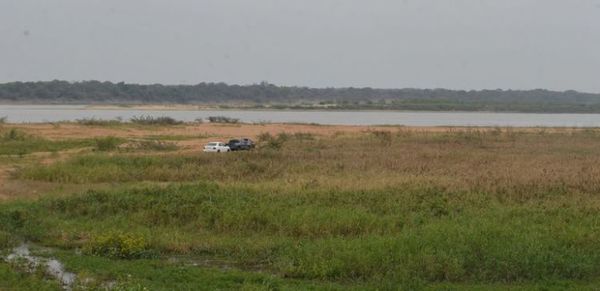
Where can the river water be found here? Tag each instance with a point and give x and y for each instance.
(55, 113)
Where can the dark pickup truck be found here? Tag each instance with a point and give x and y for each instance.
(243, 144)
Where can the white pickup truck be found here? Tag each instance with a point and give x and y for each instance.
(216, 147)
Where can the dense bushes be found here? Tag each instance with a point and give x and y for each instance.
(151, 120)
(118, 245)
(222, 119)
(99, 122)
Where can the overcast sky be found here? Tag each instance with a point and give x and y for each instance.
(457, 44)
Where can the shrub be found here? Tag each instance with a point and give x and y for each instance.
(107, 143)
(304, 136)
(268, 141)
(150, 120)
(14, 135)
(98, 122)
(283, 137)
(222, 119)
(275, 144)
(3, 119)
(118, 245)
(264, 137)
(385, 137)
(261, 122)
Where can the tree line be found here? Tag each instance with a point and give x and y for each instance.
(269, 95)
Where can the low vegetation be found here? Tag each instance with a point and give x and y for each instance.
(17, 142)
(99, 122)
(151, 120)
(153, 145)
(223, 119)
(106, 144)
(380, 209)
(11, 279)
(268, 141)
(117, 245)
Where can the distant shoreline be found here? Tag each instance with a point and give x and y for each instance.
(264, 96)
(205, 107)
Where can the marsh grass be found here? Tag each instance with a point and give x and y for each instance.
(155, 274)
(17, 142)
(11, 279)
(427, 234)
(511, 165)
(407, 208)
(384, 136)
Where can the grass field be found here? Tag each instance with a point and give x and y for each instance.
(313, 207)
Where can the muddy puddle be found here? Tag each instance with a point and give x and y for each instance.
(22, 256)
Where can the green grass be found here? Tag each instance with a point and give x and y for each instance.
(108, 143)
(180, 275)
(12, 279)
(460, 209)
(100, 168)
(16, 142)
(399, 236)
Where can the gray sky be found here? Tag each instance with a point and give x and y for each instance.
(458, 44)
